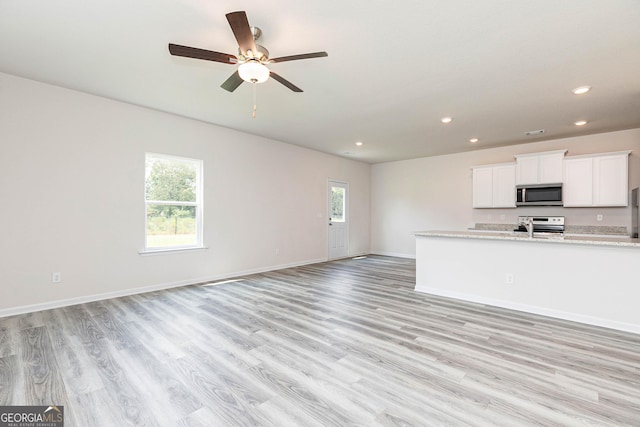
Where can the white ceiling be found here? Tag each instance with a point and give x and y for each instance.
(498, 67)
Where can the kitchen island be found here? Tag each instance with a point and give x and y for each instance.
(588, 279)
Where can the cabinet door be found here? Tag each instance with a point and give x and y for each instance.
(527, 170)
(550, 168)
(504, 186)
(578, 182)
(610, 180)
(543, 168)
(483, 187)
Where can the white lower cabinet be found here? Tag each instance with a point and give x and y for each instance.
(596, 180)
(494, 186)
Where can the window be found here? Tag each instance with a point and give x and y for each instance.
(337, 204)
(173, 202)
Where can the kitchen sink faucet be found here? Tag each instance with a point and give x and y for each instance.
(528, 224)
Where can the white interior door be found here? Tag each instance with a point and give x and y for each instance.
(338, 207)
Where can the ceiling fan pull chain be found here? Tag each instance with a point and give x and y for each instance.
(255, 107)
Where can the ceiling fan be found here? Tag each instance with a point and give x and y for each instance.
(251, 56)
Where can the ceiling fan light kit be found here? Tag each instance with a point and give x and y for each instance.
(253, 71)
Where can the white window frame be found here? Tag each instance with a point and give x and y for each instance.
(198, 205)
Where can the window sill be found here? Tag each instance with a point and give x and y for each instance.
(168, 251)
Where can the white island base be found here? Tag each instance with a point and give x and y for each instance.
(593, 282)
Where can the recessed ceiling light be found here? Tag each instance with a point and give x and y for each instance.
(446, 119)
(473, 140)
(359, 143)
(580, 123)
(582, 89)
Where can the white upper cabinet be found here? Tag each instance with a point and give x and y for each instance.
(504, 186)
(540, 168)
(494, 186)
(526, 170)
(482, 187)
(577, 186)
(596, 180)
(611, 179)
(591, 180)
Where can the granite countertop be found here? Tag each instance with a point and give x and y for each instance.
(593, 230)
(582, 239)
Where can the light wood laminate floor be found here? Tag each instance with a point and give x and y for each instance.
(341, 343)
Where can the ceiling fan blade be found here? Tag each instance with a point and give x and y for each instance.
(301, 56)
(285, 82)
(208, 55)
(232, 82)
(242, 31)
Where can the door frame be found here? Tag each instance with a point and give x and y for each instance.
(330, 183)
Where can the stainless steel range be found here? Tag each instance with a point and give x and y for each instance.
(541, 224)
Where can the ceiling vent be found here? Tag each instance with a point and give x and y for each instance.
(534, 132)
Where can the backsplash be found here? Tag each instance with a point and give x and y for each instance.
(569, 229)
(494, 227)
(597, 229)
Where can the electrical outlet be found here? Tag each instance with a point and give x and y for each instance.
(56, 277)
(508, 278)
(599, 217)
(277, 251)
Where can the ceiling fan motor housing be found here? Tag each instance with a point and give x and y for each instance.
(256, 32)
(261, 54)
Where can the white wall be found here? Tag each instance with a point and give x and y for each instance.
(435, 193)
(72, 191)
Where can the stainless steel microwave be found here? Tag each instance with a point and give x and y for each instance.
(539, 195)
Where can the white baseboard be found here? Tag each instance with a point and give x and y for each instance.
(135, 291)
(394, 254)
(574, 317)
